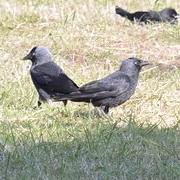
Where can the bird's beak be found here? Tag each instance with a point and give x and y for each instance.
(144, 63)
(27, 57)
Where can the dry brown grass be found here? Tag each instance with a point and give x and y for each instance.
(88, 41)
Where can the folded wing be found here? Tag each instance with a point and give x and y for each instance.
(108, 87)
(52, 79)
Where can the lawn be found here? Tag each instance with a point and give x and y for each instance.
(138, 140)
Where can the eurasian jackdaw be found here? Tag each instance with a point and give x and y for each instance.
(165, 15)
(112, 90)
(48, 77)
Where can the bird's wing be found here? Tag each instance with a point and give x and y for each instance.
(108, 87)
(113, 82)
(52, 79)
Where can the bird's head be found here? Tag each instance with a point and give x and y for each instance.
(39, 55)
(132, 66)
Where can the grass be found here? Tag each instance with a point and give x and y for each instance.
(139, 140)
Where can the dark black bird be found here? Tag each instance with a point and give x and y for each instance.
(47, 76)
(165, 15)
(112, 90)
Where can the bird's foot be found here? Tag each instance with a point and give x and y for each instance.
(37, 107)
(98, 112)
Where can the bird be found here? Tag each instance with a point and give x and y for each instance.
(112, 90)
(165, 15)
(48, 78)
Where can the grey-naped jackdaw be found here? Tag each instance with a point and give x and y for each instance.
(112, 90)
(47, 76)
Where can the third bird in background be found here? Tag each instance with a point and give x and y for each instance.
(166, 15)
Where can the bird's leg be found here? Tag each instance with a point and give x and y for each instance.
(65, 111)
(43, 97)
(38, 105)
(65, 103)
(106, 109)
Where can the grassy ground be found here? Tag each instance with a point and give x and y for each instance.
(140, 139)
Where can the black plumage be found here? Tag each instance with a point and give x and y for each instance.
(112, 90)
(166, 15)
(47, 76)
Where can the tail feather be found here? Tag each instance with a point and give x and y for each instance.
(85, 97)
(73, 97)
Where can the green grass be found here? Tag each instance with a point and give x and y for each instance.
(138, 140)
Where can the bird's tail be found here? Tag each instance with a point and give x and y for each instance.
(76, 96)
(122, 12)
(83, 97)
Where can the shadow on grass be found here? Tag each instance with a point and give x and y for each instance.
(92, 114)
(94, 150)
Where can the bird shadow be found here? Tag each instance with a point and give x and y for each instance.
(95, 113)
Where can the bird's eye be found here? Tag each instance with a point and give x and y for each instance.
(136, 63)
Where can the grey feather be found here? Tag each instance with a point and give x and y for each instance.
(112, 90)
(47, 76)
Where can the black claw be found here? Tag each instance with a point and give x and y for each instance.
(39, 103)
